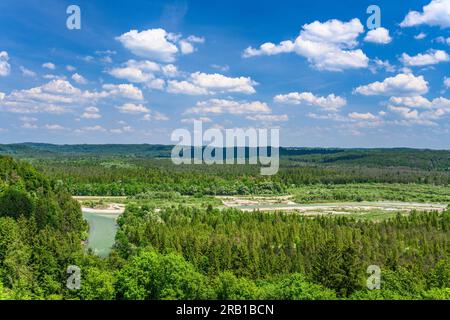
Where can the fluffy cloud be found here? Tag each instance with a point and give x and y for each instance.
(52, 97)
(221, 83)
(378, 35)
(270, 49)
(152, 43)
(91, 113)
(185, 87)
(5, 68)
(420, 102)
(144, 72)
(408, 109)
(128, 91)
(329, 57)
(200, 83)
(170, 70)
(362, 116)
(158, 84)
(414, 117)
(157, 44)
(423, 59)
(400, 85)
(132, 108)
(327, 45)
(60, 96)
(131, 74)
(78, 78)
(333, 31)
(187, 45)
(330, 102)
(49, 65)
(221, 106)
(436, 13)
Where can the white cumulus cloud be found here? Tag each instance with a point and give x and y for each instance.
(326, 45)
(200, 83)
(124, 90)
(221, 106)
(420, 102)
(422, 59)
(400, 85)
(152, 44)
(133, 108)
(379, 35)
(436, 13)
(330, 102)
(185, 87)
(362, 116)
(158, 44)
(91, 113)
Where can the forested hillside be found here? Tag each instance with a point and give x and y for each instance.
(235, 255)
(119, 170)
(41, 233)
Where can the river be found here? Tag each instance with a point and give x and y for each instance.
(102, 231)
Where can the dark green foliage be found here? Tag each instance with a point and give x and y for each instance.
(337, 269)
(118, 170)
(40, 233)
(239, 249)
(15, 203)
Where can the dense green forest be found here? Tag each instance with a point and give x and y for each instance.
(283, 256)
(201, 252)
(41, 233)
(119, 170)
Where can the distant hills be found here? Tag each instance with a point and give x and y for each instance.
(392, 157)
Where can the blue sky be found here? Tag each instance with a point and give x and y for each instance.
(137, 70)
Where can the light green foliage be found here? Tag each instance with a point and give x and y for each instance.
(371, 192)
(150, 275)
